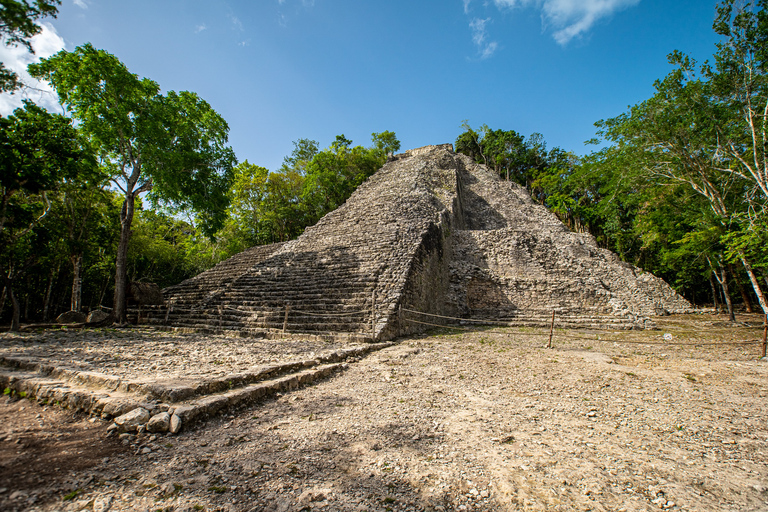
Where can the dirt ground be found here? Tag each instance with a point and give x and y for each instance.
(485, 420)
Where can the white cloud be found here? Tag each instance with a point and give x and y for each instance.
(200, 28)
(466, 6)
(237, 25)
(46, 43)
(479, 37)
(81, 4)
(570, 18)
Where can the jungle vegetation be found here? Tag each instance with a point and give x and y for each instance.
(136, 185)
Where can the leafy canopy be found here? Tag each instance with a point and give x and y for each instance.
(17, 26)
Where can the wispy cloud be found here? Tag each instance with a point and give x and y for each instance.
(466, 6)
(570, 19)
(46, 43)
(236, 23)
(485, 48)
(200, 28)
(81, 4)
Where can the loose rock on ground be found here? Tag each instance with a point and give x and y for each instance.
(454, 421)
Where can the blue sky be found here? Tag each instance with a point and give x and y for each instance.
(280, 70)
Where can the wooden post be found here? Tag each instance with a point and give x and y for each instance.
(373, 316)
(285, 321)
(551, 330)
(168, 312)
(765, 335)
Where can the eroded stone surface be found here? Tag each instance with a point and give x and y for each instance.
(130, 421)
(159, 422)
(433, 232)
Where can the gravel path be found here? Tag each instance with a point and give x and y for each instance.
(469, 421)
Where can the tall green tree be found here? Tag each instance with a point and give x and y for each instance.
(39, 152)
(17, 26)
(171, 146)
(706, 128)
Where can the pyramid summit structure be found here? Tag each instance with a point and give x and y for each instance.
(431, 232)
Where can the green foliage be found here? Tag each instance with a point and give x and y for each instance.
(505, 151)
(386, 142)
(269, 207)
(688, 166)
(171, 146)
(17, 26)
(39, 154)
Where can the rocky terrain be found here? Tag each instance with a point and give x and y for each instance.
(484, 420)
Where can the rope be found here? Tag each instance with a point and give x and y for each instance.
(329, 314)
(479, 323)
(451, 317)
(571, 336)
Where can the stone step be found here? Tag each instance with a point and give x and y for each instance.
(190, 400)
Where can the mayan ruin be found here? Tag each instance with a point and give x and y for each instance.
(431, 232)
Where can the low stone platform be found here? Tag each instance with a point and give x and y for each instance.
(182, 378)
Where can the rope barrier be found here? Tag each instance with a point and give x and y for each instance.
(479, 323)
(329, 314)
(571, 336)
(451, 317)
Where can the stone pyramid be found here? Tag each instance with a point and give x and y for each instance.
(433, 232)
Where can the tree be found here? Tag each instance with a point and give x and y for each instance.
(17, 26)
(505, 151)
(386, 142)
(706, 128)
(38, 153)
(171, 146)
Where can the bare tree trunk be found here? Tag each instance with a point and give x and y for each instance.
(2, 300)
(49, 292)
(723, 280)
(715, 302)
(755, 283)
(16, 320)
(77, 282)
(121, 270)
(742, 291)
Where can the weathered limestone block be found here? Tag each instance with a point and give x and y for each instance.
(71, 317)
(99, 318)
(159, 422)
(174, 426)
(130, 421)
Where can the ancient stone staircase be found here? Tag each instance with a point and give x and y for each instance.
(189, 400)
(431, 231)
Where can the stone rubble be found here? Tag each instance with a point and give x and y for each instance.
(482, 421)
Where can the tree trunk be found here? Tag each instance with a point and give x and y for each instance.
(121, 269)
(723, 280)
(755, 283)
(2, 300)
(77, 282)
(16, 320)
(715, 302)
(48, 292)
(742, 291)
